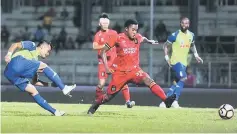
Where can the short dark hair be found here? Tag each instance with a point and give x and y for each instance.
(130, 22)
(45, 41)
(104, 15)
(183, 17)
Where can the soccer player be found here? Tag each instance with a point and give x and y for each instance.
(22, 63)
(181, 42)
(125, 68)
(101, 37)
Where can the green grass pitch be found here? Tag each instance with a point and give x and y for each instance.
(29, 118)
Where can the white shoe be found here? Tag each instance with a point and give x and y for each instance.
(59, 113)
(67, 89)
(175, 104)
(162, 105)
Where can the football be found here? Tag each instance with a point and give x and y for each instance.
(226, 111)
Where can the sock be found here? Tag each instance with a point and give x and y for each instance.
(126, 94)
(53, 76)
(98, 93)
(171, 90)
(158, 91)
(43, 103)
(178, 89)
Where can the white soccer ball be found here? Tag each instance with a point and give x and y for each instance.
(226, 111)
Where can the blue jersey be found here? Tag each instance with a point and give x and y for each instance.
(23, 65)
(28, 51)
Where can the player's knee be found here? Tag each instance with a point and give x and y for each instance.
(31, 89)
(101, 82)
(148, 81)
(100, 86)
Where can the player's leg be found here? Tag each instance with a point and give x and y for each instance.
(181, 75)
(118, 81)
(171, 90)
(102, 79)
(22, 84)
(102, 76)
(126, 95)
(175, 80)
(54, 77)
(38, 99)
(142, 77)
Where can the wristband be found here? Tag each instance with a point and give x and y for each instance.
(167, 57)
(9, 53)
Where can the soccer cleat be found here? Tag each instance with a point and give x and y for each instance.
(162, 105)
(67, 89)
(130, 104)
(175, 104)
(92, 109)
(59, 113)
(169, 100)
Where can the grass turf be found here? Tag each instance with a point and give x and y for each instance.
(29, 118)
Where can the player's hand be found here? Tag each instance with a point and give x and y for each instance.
(199, 59)
(8, 57)
(153, 42)
(109, 71)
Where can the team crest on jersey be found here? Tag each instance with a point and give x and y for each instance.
(113, 88)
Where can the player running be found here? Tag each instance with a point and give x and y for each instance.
(24, 64)
(125, 68)
(101, 37)
(181, 42)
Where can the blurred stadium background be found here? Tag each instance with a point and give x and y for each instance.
(71, 25)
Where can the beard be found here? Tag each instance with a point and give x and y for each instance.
(184, 29)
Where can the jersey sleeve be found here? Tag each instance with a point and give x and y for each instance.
(139, 38)
(172, 37)
(28, 45)
(112, 40)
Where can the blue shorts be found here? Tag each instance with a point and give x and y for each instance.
(19, 70)
(180, 70)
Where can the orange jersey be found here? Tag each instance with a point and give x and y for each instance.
(107, 37)
(127, 52)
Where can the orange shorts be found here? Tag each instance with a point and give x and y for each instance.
(121, 78)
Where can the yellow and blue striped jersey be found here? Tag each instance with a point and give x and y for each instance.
(27, 51)
(181, 43)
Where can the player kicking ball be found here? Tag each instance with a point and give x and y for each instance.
(181, 42)
(125, 68)
(22, 63)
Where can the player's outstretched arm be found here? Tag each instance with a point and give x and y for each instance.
(194, 50)
(150, 41)
(11, 50)
(167, 48)
(104, 58)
